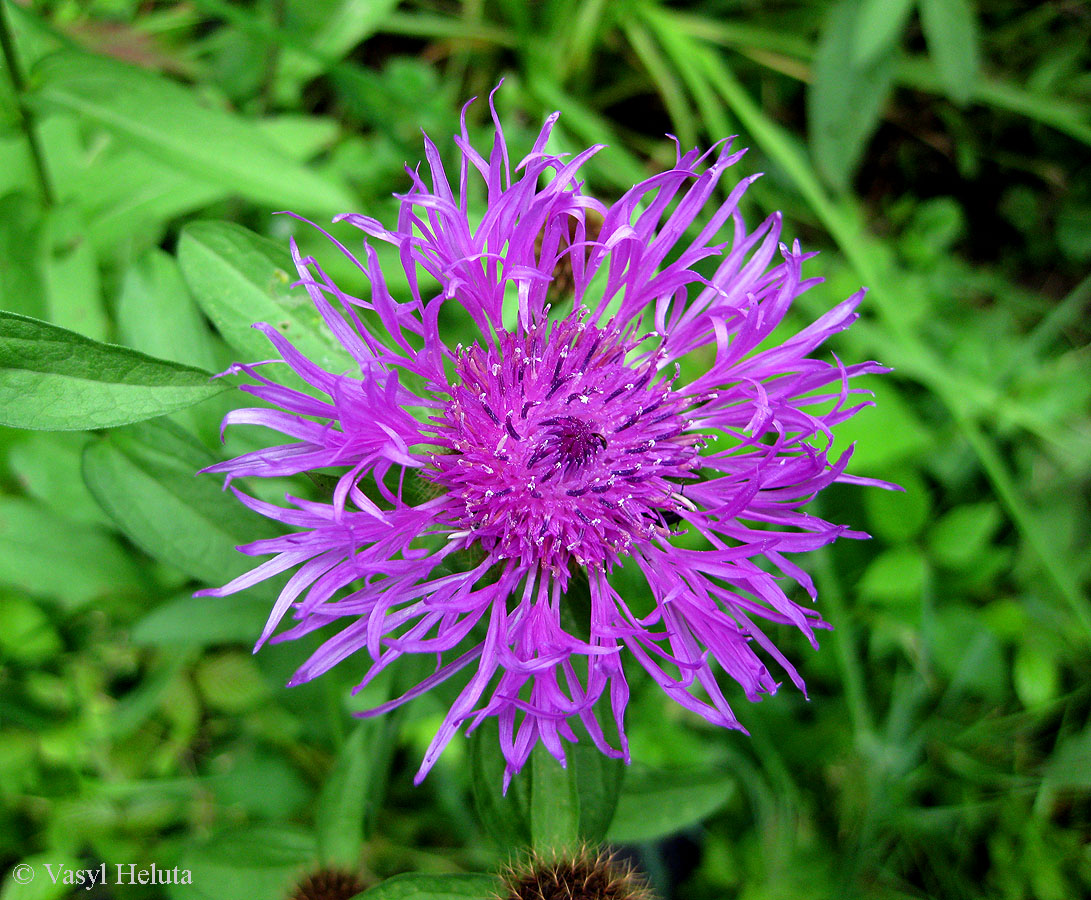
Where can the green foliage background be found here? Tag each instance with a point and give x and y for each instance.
(938, 151)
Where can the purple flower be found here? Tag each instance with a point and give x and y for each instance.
(561, 441)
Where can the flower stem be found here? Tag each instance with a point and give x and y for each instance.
(26, 118)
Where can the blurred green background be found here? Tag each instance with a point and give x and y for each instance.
(937, 151)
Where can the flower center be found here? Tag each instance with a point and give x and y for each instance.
(559, 449)
(570, 441)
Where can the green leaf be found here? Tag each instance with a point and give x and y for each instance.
(653, 805)
(1035, 676)
(846, 99)
(240, 278)
(22, 276)
(965, 651)
(505, 817)
(188, 621)
(878, 28)
(146, 480)
(56, 380)
(898, 516)
(353, 792)
(886, 433)
(554, 804)
(73, 286)
(964, 533)
(261, 861)
(894, 576)
(47, 467)
(1070, 765)
(263, 783)
(28, 635)
(231, 682)
(46, 555)
(598, 784)
(342, 28)
(412, 886)
(156, 314)
(167, 121)
(950, 28)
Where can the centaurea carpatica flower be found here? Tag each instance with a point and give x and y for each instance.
(560, 440)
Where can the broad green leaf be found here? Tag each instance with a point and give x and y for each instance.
(188, 621)
(554, 804)
(878, 28)
(146, 480)
(240, 278)
(73, 285)
(1035, 676)
(950, 28)
(846, 100)
(506, 817)
(46, 555)
(28, 635)
(242, 864)
(167, 121)
(899, 515)
(56, 380)
(47, 467)
(231, 682)
(894, 576)
(156, 314)
(263, 783)
(412, 886)
(653, 805)
(962, 535)
(886, 433)
(22, 275)
(353, 791)
(129, 196)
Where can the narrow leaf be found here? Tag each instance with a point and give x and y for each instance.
(56, 380)
(879, 26)
(505, 817)
(353, 791)
(554, 804)
(167, 120)
(845, 101)
(950, 28)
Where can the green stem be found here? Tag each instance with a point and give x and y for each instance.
(26, 119)
(845, 648)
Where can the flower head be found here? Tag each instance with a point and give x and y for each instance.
(561, 440)
(585, 874)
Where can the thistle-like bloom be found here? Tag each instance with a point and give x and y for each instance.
(558, 443)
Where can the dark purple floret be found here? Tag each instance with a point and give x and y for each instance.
(556, 443)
